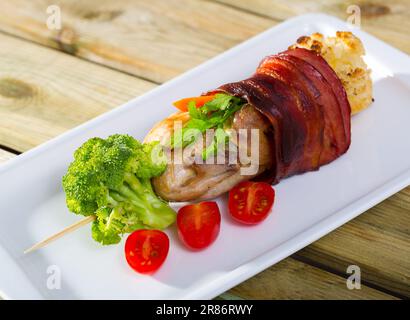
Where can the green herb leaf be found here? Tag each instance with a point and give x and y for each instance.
(193, 110)
(220, 138)
(212, 114)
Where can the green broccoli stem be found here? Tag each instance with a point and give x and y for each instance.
(139, 194)
(128, 196)
(117, 197)
(111, 201)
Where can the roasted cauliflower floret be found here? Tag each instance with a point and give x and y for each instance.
(344, 54)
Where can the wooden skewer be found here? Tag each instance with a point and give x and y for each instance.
(78, 224)
(61, 233)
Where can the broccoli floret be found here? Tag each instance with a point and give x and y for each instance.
(111, 178)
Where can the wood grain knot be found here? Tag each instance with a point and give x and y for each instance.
(66, 40)
(371, 10)
(16, 89)
(101, 15)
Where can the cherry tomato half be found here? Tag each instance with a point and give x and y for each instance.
(250, 202)
(146, 250)
(199, 224)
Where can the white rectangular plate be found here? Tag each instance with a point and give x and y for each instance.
(308, 206)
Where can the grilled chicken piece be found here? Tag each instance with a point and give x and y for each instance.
(198, 181)
(163, 130)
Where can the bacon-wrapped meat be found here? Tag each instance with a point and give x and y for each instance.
(307, 106)
(301, 106)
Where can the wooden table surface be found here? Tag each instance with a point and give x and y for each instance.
(109, 51)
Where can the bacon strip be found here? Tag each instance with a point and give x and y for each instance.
(307, 105)
(331, 77)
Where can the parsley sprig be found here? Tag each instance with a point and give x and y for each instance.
(212, 115)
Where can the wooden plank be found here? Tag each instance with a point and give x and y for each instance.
(153, 39)
(44, 92)
(387, 20)
(291, 279)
